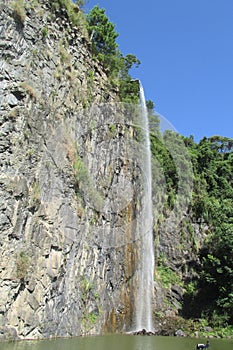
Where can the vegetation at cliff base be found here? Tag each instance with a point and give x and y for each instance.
(209, 290)
(213, 204)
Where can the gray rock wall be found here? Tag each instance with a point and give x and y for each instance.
(68, 177)
(71, 187)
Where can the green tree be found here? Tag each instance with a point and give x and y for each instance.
(125, 64)
(150, 105)
(104, 46)
(213, 203)
(216, 277)
(102, 35)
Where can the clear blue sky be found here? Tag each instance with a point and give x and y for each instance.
(186, 53)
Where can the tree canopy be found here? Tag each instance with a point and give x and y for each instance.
(213, 205)
(102, 32)
(104, 46)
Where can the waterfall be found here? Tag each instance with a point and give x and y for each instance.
(144, 297)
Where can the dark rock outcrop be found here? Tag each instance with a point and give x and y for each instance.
(144, 332)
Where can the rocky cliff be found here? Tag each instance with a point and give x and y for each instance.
(67, 257)
(72, 187)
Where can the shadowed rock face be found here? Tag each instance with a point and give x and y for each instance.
(67, 251)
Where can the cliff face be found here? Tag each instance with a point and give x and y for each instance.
(71, 187)
(67, 258)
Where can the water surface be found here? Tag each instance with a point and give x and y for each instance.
(117, 342)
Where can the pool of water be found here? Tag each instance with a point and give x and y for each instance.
(117, 342)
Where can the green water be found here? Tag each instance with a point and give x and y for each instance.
(118, 342)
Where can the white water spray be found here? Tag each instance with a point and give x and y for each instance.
(144, 296)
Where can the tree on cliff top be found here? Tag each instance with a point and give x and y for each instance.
(104, 46)
(102, 32)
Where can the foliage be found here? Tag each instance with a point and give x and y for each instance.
(104, 46)
(102, 33)
(128, 90)
(29, 89)
(88, 321)
(150, 105)
(193, 328)
(22, 265)
(79, 2)
(169, 151)
(44, 32)
(89, 294)
(83, 182)
(80, 170)
(213, 204)
(76, 16)
(19, 10)
(216, 277)
(210, 293)
(167, 276)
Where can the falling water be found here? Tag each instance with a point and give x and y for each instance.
(144, 296)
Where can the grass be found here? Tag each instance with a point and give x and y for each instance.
(64, 54)
(80, 170)
(19, 10)
(29, 89)
(88, 321)
(168, 277)
(76, 17)
(44, 32)
(22, 265)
